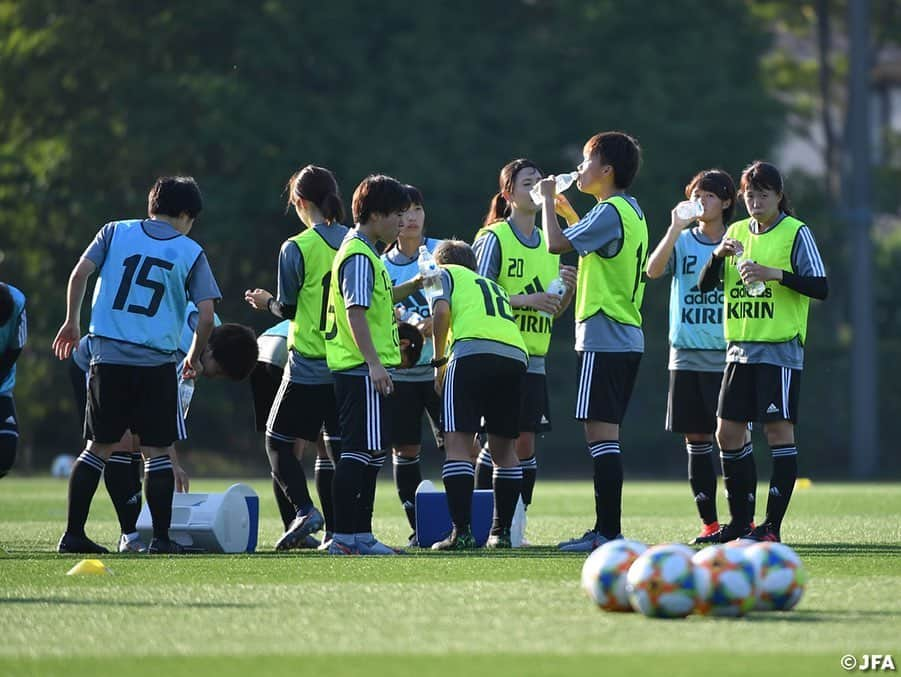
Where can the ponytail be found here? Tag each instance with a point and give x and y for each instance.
(497, 210)
(784, 206)
(332, 208)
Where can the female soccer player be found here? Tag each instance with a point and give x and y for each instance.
(305, 402)
(414, 393)
(511, 251)
(765, 330)
(697, 348)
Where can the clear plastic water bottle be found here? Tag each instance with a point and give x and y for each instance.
(185, 394)
(412, 317)
(756, 288)
(430, 272)
(562, 181)
(689, 209)
(556, 287)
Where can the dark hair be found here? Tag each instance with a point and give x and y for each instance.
(7, 305)
(234, 347)
(414, 336)
(378, 194)
(499, 207)
(174, 196)
(719, 183)
(455, 252)
(414, 195)
(317, 185)
(764, 176)
(620, 151)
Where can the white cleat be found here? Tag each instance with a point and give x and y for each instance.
(135, 545)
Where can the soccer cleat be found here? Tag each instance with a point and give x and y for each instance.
(309, 543)
(81, 545)
(458, 540)
(726, 533)
(338, 548)
(588, 542)
(299, 529)
(164, 546)
(134, 546)
(326, 542)
(499, 541)
(413, 542)
(370, 545)
(707, 530)
(765, 532)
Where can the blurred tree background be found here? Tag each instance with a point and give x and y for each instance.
(98, 98)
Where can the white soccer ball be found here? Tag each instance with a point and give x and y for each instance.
(781, 577)
(661, 582)
(726, 581)
(604, 573)
(62, 466)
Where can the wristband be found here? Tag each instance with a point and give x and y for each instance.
(439, 362)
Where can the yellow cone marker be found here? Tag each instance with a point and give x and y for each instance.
(87, 567)
(803, 483)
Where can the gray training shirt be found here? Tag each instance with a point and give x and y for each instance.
(201, 286)
(601, 230)
(291, 272)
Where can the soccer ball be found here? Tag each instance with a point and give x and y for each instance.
(726, 581)
(62, 466)
(604, 573)
(661, 582)
(780, 576)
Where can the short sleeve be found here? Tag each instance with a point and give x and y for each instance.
(806, 259)
(290, 273)
(447, 287)
(488, 256)
(202, 285)
(595, 231)
(96, 251)
(357, 281)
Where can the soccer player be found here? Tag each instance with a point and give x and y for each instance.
(612, 242)
(483, 379)
(414, 393)
(511, 251)
(13, 333)
(305, 402)
(765, 331)
(230, 353)
(697, 353)
(362, 344)
(148, 271)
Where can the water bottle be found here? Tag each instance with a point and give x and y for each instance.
(185, 393)
(412, 317)
(562, 181)
(689, 209)
(756, 288)
(556, 287)
(430, 272)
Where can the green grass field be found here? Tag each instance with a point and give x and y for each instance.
(519, 613)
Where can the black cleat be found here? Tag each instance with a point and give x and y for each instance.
(462, 540)
(727, 532)
(765, 532)
(160, 546)
(500, 541)
(81, 545)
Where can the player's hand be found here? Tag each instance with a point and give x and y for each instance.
(66, 340)
(548, 186)
(563, 208)
(191, 367)
(258, 298)
(754, 272)
(182, 481)
(569, 275)
(381, 379)
(425, 327)
(544, 302)
(677, 221)
(728, 247)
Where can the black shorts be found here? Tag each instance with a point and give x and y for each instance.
(364, 417)
(606, 381)
(141, 399)
(264, 382)
(79, 381)
(301, 411)
(762, 393)
(691, 403)
(483, 386)
(409, 401)
(534, 410)
(9, 422)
